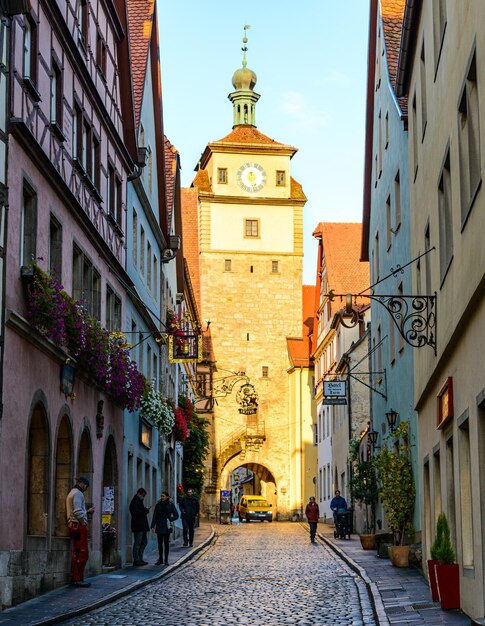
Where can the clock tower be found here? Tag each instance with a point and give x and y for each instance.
(250, 240)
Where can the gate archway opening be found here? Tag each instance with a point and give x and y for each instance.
(250, 478)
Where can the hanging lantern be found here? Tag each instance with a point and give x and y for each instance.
(185, 348)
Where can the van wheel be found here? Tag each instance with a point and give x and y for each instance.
(248, 519)
(270, 520)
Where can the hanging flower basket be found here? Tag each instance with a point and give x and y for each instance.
(101, 355)
(158, 410)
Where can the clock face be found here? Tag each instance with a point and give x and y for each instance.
(251, 177)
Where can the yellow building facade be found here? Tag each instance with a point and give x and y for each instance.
(250, 238)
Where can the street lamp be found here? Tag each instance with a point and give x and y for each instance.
(373, 435)
(392, 419)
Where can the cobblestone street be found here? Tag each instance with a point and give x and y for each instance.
(254, 574)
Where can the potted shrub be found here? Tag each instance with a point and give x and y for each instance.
(397, 491)
(434, 559)
(446, 569)
(364, 489)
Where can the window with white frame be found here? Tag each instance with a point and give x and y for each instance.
(445, 217)
(422, 80)
(439, 26)
(28, 234)
(469, 140)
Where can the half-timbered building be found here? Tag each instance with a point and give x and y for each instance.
(71, 125)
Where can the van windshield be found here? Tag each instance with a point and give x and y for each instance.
(257, 503)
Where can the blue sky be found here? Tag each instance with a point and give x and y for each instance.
(311, 61)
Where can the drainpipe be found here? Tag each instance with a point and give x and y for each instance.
(302, 468)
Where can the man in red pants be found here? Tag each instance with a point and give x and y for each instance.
(77, 520)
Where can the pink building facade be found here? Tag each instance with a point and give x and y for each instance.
(71, 151)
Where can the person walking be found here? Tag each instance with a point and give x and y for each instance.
(189, 509)
(139, 526)
(338, 505)
(77, 521)
(312, 513)
(164, 514)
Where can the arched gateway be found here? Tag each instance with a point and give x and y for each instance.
(266, 484)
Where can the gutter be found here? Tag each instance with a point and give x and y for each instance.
(407, 45)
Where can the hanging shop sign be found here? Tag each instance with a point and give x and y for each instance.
(335, 388)
(335, 392)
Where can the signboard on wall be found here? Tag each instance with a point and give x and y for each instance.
(108, 504)
(335, 388)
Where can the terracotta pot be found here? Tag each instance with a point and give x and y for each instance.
(368, 542)
(433, 585)
(448, 579)
(399, 556)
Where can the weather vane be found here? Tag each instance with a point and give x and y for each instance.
(245, 41)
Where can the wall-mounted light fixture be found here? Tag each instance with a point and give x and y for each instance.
(171, 250)
(373, 436)
(392, 419)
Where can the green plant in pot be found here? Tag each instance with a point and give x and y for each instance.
(434, 559)
(446, 569)
(364, 489)
(397, 489)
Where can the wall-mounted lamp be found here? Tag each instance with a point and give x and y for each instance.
(173, 247)
(392, 419)
(373, 436)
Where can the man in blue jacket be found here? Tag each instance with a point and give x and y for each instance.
(337, 504)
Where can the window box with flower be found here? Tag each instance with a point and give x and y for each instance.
(158, 410)
(102, 356)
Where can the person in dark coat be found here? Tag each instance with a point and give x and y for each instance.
(164, 514)
(189, 509)
(139, 526)
(312, 513)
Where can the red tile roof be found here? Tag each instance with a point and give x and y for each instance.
(340, 244)
(140, 18)
(300, 348)
(296, 190)
(190, 235)
(171, 158)
(247, 134)
(202, 181)
(392, 13)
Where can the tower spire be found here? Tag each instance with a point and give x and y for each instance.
(244, 98)
(245, 47)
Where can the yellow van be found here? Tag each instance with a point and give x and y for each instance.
(254, 507)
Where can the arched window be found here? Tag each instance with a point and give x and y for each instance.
(63, 476)
(38, 473)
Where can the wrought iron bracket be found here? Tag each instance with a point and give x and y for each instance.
(414, 316)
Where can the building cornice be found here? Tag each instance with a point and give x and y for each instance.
(324, 343)
(212, 198)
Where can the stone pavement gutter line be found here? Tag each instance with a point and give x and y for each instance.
(372, 590)
(115, 595)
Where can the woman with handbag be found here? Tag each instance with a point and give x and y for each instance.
(164, 514)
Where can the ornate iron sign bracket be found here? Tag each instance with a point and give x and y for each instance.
(414, 316)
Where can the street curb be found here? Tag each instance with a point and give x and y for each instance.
(112, 597)
(372, 590)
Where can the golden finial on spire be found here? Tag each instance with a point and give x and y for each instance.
(245, 48)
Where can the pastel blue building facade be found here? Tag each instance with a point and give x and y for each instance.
(387, 235)
(142, 323)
